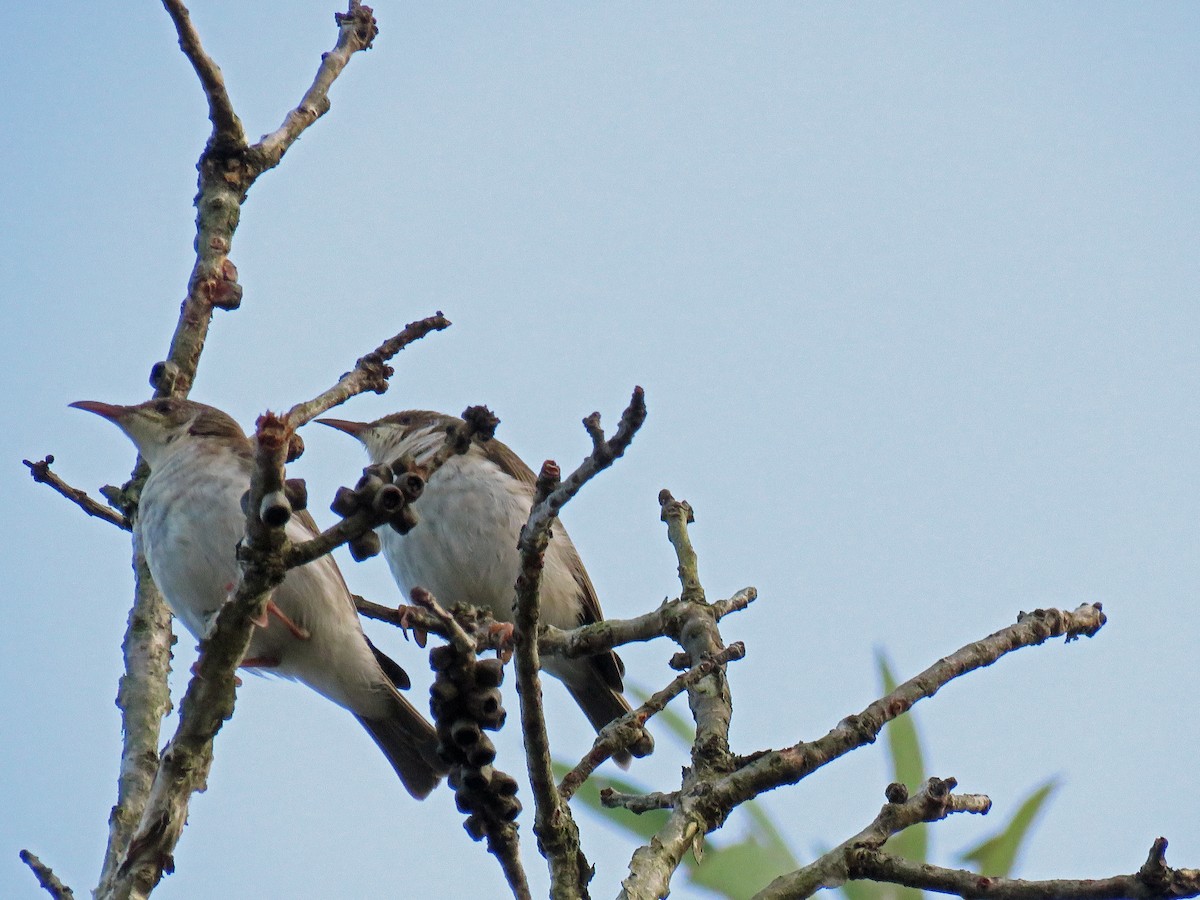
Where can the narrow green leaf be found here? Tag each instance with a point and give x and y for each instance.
(908, 768)
(642, 826)
(997, 856)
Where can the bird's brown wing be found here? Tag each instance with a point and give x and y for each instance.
(507, 461)
(608, 665)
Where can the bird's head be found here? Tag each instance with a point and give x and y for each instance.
(158, 426)
(414, 433)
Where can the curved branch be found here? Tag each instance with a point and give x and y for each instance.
(1154, 881)
(41, 473)
(227, 128)
(934, 802)
(779, 767)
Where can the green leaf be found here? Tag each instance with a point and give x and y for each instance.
(997, 856)
(740, 869)
(908, 768)
(643, 826)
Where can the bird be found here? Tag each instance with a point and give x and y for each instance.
(463, 548)
(188, 523)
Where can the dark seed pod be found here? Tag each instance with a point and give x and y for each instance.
(404, 521)
(465, 733)
(365, 546)
(489, 673)
(442, 691)
(483, 705)
(388, 500)
(509, 808)
(483, 753)
(368, 484)
(411, 484)
(295, 448)
(477, 779)
(442, 658)
(275, 509)
(163, 376)
(495, 721)
(464, 800)
(345, 502)
(504, 784)
(382, 471)
(297, 493)
(475, 827)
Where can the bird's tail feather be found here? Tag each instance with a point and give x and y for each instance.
(410, 744)
(601, 704)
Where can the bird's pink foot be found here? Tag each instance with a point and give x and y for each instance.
(419, 635)
(502, 634)
(298, 632)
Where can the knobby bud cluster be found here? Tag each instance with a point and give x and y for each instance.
(385, 491)
(465, 701)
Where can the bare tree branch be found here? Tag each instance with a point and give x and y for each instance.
(41, 473)
(144, 699)
(210, 695)
(588, 640)
(622, 732)
(227, 128)
(46, 877)
(370, 373)
(357, 29)
(1154, 881)
(228, 168)
(778, 767)
(934, 802)
(558, 836)
(693, 625)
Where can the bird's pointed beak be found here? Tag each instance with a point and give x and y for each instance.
(355, 429)
(110, 411)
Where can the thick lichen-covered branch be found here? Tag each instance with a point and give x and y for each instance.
(693, 624)
(144, 699)
(210, 695)
(557, 833)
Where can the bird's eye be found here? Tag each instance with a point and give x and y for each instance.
(405, 420)
(162, 406)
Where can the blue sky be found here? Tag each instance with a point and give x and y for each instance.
(911, 290)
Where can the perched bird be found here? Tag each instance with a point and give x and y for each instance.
(189, 522)
(464, 547)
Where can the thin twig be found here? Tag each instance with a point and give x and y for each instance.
(638, 803)
(779, 767)
(933, 802)
(370, 373)
(1154, 881)
(41, 473)
(46, 877)
(588, 640)
(619, 733)
(356, 31)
